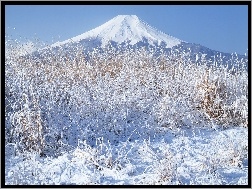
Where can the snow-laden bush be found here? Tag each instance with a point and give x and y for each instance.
(223, 96)
(27, 129)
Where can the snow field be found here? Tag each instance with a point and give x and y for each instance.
(203, 157)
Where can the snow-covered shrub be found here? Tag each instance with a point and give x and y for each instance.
(220, 95)
(165, 169)
(27, 129)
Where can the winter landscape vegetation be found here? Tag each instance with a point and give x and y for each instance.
(125, 104)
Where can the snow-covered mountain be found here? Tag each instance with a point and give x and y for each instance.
(130, 31)
(123, 28)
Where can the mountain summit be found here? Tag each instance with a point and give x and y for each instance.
(125, 28)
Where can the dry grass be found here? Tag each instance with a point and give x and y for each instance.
(214, 95)
(28, 127)
(174, 88)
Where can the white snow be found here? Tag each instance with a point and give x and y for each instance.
(123, 28)
(204, 157)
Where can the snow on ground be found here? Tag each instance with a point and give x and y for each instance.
(186, 157)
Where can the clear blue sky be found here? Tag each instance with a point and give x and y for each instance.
(219, 27)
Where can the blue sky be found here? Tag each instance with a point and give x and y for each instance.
(219, 27)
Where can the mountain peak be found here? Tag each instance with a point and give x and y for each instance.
(124, 28)
(126, 17)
